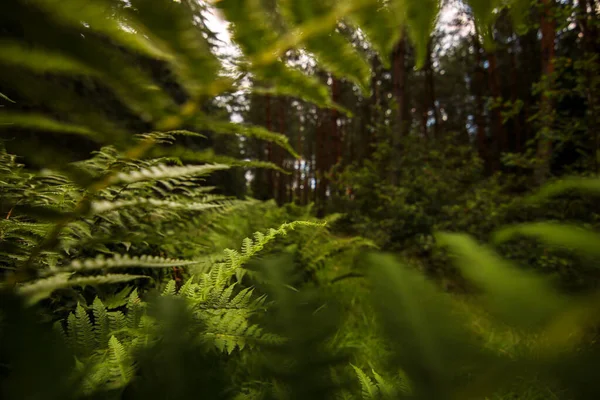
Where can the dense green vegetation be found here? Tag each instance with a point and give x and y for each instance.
(353, 199)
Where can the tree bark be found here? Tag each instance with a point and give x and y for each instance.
(479, 116)
(498, 127)
(399, 88)
(514, 94)
(544, 149)
(269, 126)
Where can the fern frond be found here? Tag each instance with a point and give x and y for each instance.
(574, 237)
(40, 122)
(345, 61)
(84, 331)
(39, 60)
(94, 13)
(5, 97)
(195, 64)
(576, 184)
(117, 323)
(43, 288)
(514, 295)
(382, 26)
(125, 261)
(209, 156)
(159, 172)
(100, 207)
(370, 391)
(120, 363)
(135, 309)
(118, 299)
(245, 130)
(170, 289)
(101, 322)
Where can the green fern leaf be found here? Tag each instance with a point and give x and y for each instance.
(43, 288)
(125, 261)
(576, 184)
(170, 289)
(117, 323)
(135, 309)
(421, 17)
(5, 97)
(191, 56)
(39, 60)
(10, 120)
(84, 332)
(159, 172)
(118, 299)
(573, 237)
(382, 25)
(345, 60)
(514, 295)
(70, 12)
(370, 391)
(120, 363)
(101, 322)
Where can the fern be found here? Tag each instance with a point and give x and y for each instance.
(120, 363)
(101, 322)
(164, 172)
(124, 261)
(370, 390)
(43, 288)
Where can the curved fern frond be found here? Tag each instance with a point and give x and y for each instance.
(515, 295)
(40, 60)
(574, 237)
(249, 131)
(382, 25)
(159, 172)
(10, 120)
(129, 33)
(575, 184)
(43, 288)
(345, 61)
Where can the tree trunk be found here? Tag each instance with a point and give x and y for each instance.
(429, 97)
(544, 149)
(281, 177)
(399, 87)
(269, 126)
(479, 116)
(514, 94)
(498, 127)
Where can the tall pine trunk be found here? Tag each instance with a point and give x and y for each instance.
(544, 149)
(399, 87)
(500, 140)
(479, 116)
